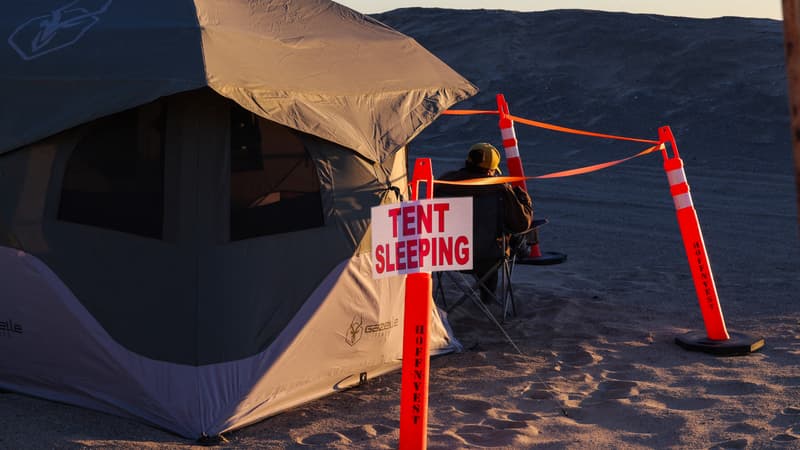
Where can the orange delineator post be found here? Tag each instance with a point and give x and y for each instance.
(513, 160)
(510, 144)
(693, 241)
(416, 332)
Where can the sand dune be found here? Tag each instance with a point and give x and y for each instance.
(599, 367)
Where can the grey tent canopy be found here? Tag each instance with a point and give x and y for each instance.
(312, 65)
(185, 190)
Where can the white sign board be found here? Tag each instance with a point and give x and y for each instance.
(422, 236)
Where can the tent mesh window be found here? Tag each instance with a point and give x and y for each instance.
(274, 184)
(114, 177)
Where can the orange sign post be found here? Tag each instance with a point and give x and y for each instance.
(717, 339)
(416, 353)
(415, 238)
(416, 362)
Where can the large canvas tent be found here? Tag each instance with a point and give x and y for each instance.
(185, 190)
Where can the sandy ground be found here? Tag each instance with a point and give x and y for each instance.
(599, 367)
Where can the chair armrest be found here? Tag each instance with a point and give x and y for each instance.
(536, 224)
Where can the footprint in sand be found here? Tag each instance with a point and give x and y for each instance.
(471, 406)
(489, 436)
(743, 428)
(793, 381)
(793, 432)
(366, 432)
(733, 444)
(616, 389)
(629, 371)
(523, 416)
(785, 437)
(576, 358)
(316, 440)
(501, 424)
(540, 393)
(733, 387)
(493, 428)
(792, 411)
(686, 404)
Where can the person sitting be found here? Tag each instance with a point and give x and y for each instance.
(497, 209)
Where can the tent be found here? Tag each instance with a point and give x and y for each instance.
(185, 190)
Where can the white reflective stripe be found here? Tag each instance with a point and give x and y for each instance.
(512, 152)
(676, 176)
(508, 133)
(682, 200)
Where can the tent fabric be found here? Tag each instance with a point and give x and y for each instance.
(181, 322)
(315, 66)
(192, 401)
(182, 284)
(193, 332)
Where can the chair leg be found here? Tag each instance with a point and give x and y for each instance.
(469, 292)
(508, 290)
(470, 289)
(479, 303)
(465, 294)
(481, 283)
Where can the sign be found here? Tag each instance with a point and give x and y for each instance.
(422, 236)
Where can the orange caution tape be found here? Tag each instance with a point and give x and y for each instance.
(564, 173)
(547, 126)
(485, 181)
(596, 167)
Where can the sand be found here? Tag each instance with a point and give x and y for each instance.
(599, 368)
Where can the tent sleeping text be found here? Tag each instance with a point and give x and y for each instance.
(426, 235)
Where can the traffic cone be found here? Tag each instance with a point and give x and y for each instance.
(716, 339)
(535, 256)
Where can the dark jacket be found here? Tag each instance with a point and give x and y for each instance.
(497, 209)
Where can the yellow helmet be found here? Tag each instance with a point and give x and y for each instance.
(485, 156)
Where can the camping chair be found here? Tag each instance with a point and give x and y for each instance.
(492, 255)
(471, 282)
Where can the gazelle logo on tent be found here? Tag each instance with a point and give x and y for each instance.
(382, 327)
(9, 328)
(354, 331)
(58, 29)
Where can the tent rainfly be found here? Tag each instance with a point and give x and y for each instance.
(185, 190)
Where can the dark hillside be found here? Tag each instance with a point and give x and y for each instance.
(717, 82)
